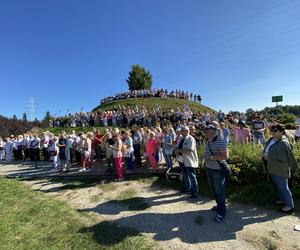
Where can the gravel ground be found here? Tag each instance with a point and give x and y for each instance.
(174, 221)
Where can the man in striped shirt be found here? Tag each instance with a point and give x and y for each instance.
(216, 152)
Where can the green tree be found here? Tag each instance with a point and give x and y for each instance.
(24, 119)
(139, 78)
(15, 117)
(286, 118)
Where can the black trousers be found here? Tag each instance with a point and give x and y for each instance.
(36, 154)
(46, 155)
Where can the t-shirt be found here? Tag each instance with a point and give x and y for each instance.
(217, 145)
(269, 145)
(168, 149)
(258, 125)
(243, 135)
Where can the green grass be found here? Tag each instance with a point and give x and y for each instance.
(150, 103)
(32, 220)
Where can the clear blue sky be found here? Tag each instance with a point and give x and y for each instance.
(69, 54)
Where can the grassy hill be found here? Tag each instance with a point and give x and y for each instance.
(151, 103)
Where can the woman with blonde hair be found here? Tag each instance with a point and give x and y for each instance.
(86, 149)
(128, 143)
(117, 154)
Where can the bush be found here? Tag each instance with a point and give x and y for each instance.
(246, 164)
(290, 126)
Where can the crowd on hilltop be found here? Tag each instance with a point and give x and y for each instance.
(122, 116)
(148, 93)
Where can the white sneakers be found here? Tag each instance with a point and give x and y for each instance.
(84, 170)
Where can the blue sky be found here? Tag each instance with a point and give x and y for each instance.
(69, 54)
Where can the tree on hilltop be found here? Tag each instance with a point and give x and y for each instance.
(139, 78)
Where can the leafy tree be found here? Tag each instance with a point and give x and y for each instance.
(286, 118)
(139, 78)
(14, 117)
(24, 119)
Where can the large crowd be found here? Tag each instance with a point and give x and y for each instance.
(136, 138)
(148, 93)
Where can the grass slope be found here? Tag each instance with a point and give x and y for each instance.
(151, 103)
(32, 220)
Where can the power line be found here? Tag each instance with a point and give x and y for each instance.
(257, 58)
(226, 29)
(31, 108)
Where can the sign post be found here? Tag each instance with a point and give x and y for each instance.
(277, 99)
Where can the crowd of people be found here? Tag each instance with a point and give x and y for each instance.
(148, 93)
(149, 138)
(122, 116)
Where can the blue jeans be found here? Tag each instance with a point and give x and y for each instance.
(129, 162)
(216, 182)
(169, 161)
(137, 154)
(285, 194)
(259, 138)
(190, 180)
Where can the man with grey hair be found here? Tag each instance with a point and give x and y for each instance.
(215, 154)
(188, 160)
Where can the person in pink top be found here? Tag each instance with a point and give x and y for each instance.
(234, 131)
(151, 148)
(118, 156)
(240, 134)
(243, 133)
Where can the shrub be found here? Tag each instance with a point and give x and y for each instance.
(246, 164)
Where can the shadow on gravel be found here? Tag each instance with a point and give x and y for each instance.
(186, 225)
(114, 207)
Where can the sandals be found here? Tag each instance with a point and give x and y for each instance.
(219, 218)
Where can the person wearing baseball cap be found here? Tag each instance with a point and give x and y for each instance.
(215, 153)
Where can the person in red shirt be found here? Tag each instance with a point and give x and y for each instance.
(96, 141)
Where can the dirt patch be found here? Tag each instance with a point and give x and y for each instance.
(176, 222)
(171, 218)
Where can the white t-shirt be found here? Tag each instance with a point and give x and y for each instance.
(270, 144)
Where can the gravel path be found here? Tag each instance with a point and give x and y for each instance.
(176, 222)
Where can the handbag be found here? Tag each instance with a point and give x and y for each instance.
(225, 169)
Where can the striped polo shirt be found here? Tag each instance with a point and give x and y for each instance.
(217, 145)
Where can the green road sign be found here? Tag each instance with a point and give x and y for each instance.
(278, 98)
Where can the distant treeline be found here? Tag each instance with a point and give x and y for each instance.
(279, 110)
(13, 126)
